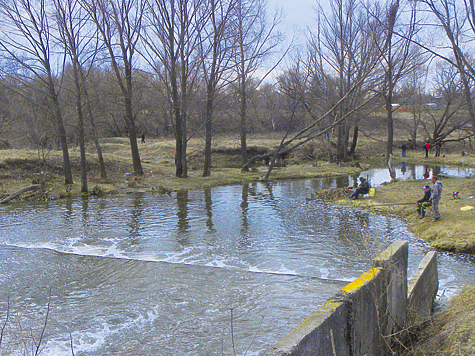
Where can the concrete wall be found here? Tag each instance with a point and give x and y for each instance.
(394, 261)
(422, 289)
(360, 318)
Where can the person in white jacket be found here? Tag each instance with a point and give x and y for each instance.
(436, 194)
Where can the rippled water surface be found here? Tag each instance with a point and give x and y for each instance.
(180, 275)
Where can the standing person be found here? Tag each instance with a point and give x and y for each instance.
(363, 188)
(403, 149)
(436, 194)
(143, 137)
(437, 149)
(427, 148)
(423, 203)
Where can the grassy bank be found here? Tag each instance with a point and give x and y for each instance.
(20, 168)
(449, 332)
(455, 230)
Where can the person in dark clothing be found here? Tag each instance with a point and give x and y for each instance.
(403, 149)
(423, 203)
(363, 188)
(437, 149)
(427, 148)
(143, 137)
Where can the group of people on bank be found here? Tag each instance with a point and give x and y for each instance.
(431, 197)
(427, 146)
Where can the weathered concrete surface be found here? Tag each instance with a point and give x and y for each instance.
(367, 298)
(358, 320)
(394, 262)
(323, 333)
(422, 289)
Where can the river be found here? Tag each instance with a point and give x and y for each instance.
(202, 272)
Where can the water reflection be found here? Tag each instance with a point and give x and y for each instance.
(209, 208)
(68, 211)
(244, 209)
(182, 213)
(135, 216)
(378, 176)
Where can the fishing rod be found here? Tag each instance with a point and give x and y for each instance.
(394, 204)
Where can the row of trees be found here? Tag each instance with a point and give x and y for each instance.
(184, 65)
(181, 43)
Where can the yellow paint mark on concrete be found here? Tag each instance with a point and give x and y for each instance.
(328, 307)
(365, 277)
(331, 304)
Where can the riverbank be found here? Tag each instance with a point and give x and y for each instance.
(22, 167)
(454, 232)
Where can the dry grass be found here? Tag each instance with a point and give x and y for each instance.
(22, 167)
(451, 331)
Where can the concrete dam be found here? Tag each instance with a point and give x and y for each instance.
(366, 315)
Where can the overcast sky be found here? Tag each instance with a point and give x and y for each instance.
(297, 13)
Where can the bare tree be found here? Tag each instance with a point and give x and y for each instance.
(81, 45)
(70, 22)
(28, 41)
(341, 51)
(412, 95)
(255, 39)
(119, 23)
(458, 22)
(215, 52)
(449, 118)
(6, 117)
(171, 43)
(398, 56)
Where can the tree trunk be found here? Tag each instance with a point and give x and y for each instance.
(68, 176)
(134, 147)
(21, 191)
(82, 146)
(354, 141)
(243, 123)
(208, 128)
(100, 157)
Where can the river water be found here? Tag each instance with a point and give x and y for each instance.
(206, 272)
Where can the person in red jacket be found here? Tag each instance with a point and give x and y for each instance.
(427, 148)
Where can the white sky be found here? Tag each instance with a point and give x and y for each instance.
(297, 13)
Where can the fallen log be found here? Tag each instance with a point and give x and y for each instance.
(21, 191)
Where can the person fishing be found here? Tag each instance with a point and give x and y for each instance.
(363, 188)
(423, 203)
(436, 194)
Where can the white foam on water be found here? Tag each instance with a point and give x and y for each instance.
(324, 273)
(92, 341)
(75, 246)
(282, 271)
(83, 342)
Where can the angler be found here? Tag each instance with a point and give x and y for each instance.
(423, 203)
